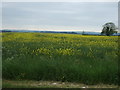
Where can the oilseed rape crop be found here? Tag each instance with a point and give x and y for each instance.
(60, 57)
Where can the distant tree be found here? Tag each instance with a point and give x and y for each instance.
(109, 29)
(83, 33)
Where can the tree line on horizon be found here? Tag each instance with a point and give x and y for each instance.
(108, 29)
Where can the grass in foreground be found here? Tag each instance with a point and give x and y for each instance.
(60, 57)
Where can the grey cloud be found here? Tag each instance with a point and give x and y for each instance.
(59, 14)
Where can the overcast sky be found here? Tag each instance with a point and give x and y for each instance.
(61, 16)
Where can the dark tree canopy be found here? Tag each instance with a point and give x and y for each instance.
(109, 29)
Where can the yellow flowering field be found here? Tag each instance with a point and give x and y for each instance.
(60, 57)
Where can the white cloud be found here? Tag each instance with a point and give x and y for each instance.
(60, 0)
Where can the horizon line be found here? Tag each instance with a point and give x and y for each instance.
(59, 30)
